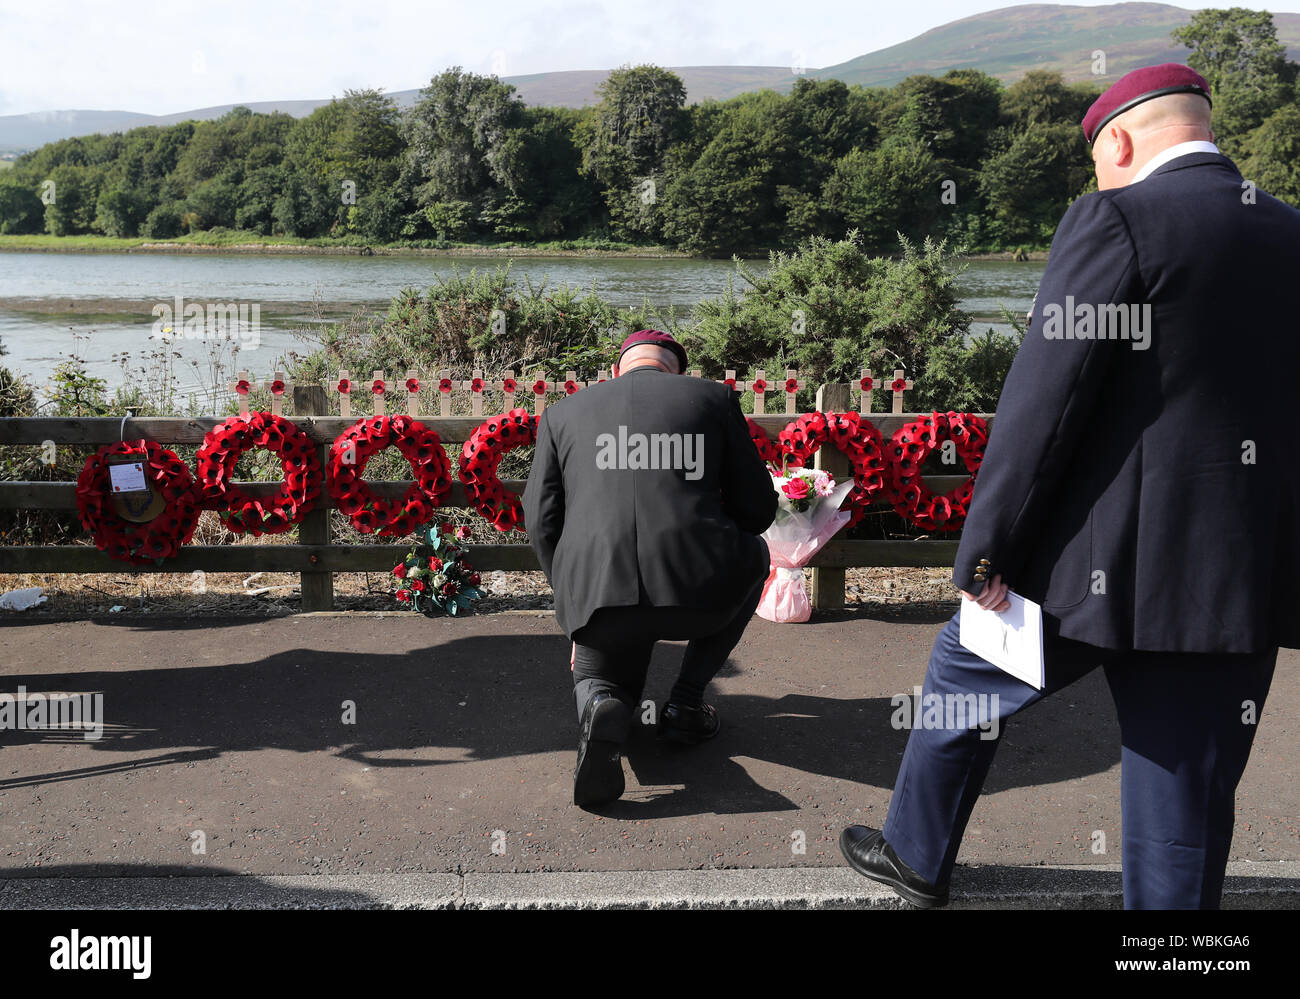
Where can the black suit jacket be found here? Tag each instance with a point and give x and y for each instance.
(610, 536)
(1149, 499)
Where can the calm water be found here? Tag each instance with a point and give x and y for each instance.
(124, 287)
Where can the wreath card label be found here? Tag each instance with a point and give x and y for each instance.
(133, 498)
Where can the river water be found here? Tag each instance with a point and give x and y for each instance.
(101, 305)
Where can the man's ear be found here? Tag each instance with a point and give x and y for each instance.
(1120, 144)
(615, 366)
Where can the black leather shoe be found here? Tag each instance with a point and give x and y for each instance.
(868, 853)
(599, 774)
(678, 723)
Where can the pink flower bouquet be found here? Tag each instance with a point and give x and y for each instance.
(808, 515)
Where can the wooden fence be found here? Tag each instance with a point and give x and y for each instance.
(315, 557)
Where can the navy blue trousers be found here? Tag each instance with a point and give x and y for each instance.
(1185, 746)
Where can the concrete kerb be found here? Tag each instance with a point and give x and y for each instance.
(1251, 885)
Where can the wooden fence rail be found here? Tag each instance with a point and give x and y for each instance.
(316, 558)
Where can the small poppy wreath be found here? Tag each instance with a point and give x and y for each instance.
(911, 444)
(369, 513)
(479, 459)
(121, 539)
(242, 513)
(859, 441)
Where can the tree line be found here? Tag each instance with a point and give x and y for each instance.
(960, 156)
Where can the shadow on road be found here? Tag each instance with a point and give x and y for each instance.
(507, 695)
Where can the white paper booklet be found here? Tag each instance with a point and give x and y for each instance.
(1012, 641)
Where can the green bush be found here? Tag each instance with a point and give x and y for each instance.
(830, 309)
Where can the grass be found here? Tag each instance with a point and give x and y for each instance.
(233, 238)
(238, 238)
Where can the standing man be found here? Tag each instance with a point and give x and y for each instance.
(1150, 509)
(644, 504)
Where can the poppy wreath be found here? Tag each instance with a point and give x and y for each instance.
(241, 512)
(347, 465)
(481, 456)
(768, 449)
(911, 444)
(856, 438)
(122, 539)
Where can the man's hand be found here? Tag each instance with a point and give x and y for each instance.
(993, 597)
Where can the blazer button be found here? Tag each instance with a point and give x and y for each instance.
(984, 561)
(980, 577)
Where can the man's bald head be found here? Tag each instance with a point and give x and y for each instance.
(1128, 141)
(642, 355)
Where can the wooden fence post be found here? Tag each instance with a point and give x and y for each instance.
(828, 584)
(314, 529)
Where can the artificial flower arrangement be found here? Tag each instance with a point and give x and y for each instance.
(437, 577)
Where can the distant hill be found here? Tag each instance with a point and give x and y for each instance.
(570, 88)
(1005, 43)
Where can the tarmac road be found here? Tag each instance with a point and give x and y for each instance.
(460, 757)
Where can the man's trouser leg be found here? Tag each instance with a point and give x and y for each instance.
(613, 649)
(944, 768)
(1187, 722)
(707, 654)
(605, 660)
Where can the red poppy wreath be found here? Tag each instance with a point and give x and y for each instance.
(347, 465)
(480, 458)
(242, 513)
(859, 441)
(127, 541)
(911, 444)
(768, 449)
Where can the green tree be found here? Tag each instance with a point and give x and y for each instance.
(119, 210)
(73, 195)
(1250, 77)
(349, 149)
(21, 210)
(829, 307)
(895, 188)
(727, 199)
(624, 141)
(1041, 97)
(465, 137)
(1029, 184)
(1273, 154)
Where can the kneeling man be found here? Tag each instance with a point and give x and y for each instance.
(644, 505)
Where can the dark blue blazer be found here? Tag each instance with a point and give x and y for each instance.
(1150, 498)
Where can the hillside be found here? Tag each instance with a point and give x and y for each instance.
(1005, 43)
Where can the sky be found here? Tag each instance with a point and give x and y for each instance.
(164, 57)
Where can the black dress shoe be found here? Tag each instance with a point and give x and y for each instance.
(868, 853)
(599, 774)
(678, 723)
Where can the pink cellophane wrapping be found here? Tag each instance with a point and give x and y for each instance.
(792, 540)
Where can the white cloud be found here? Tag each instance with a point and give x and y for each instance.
(161, 57)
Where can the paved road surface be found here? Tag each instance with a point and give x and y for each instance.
(464, 741)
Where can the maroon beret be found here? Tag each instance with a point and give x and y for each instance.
(1143, 84)
(657, 337)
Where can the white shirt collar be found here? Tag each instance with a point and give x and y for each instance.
(1172, 153)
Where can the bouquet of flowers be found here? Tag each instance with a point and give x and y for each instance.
(440, 579)
(808, 515)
